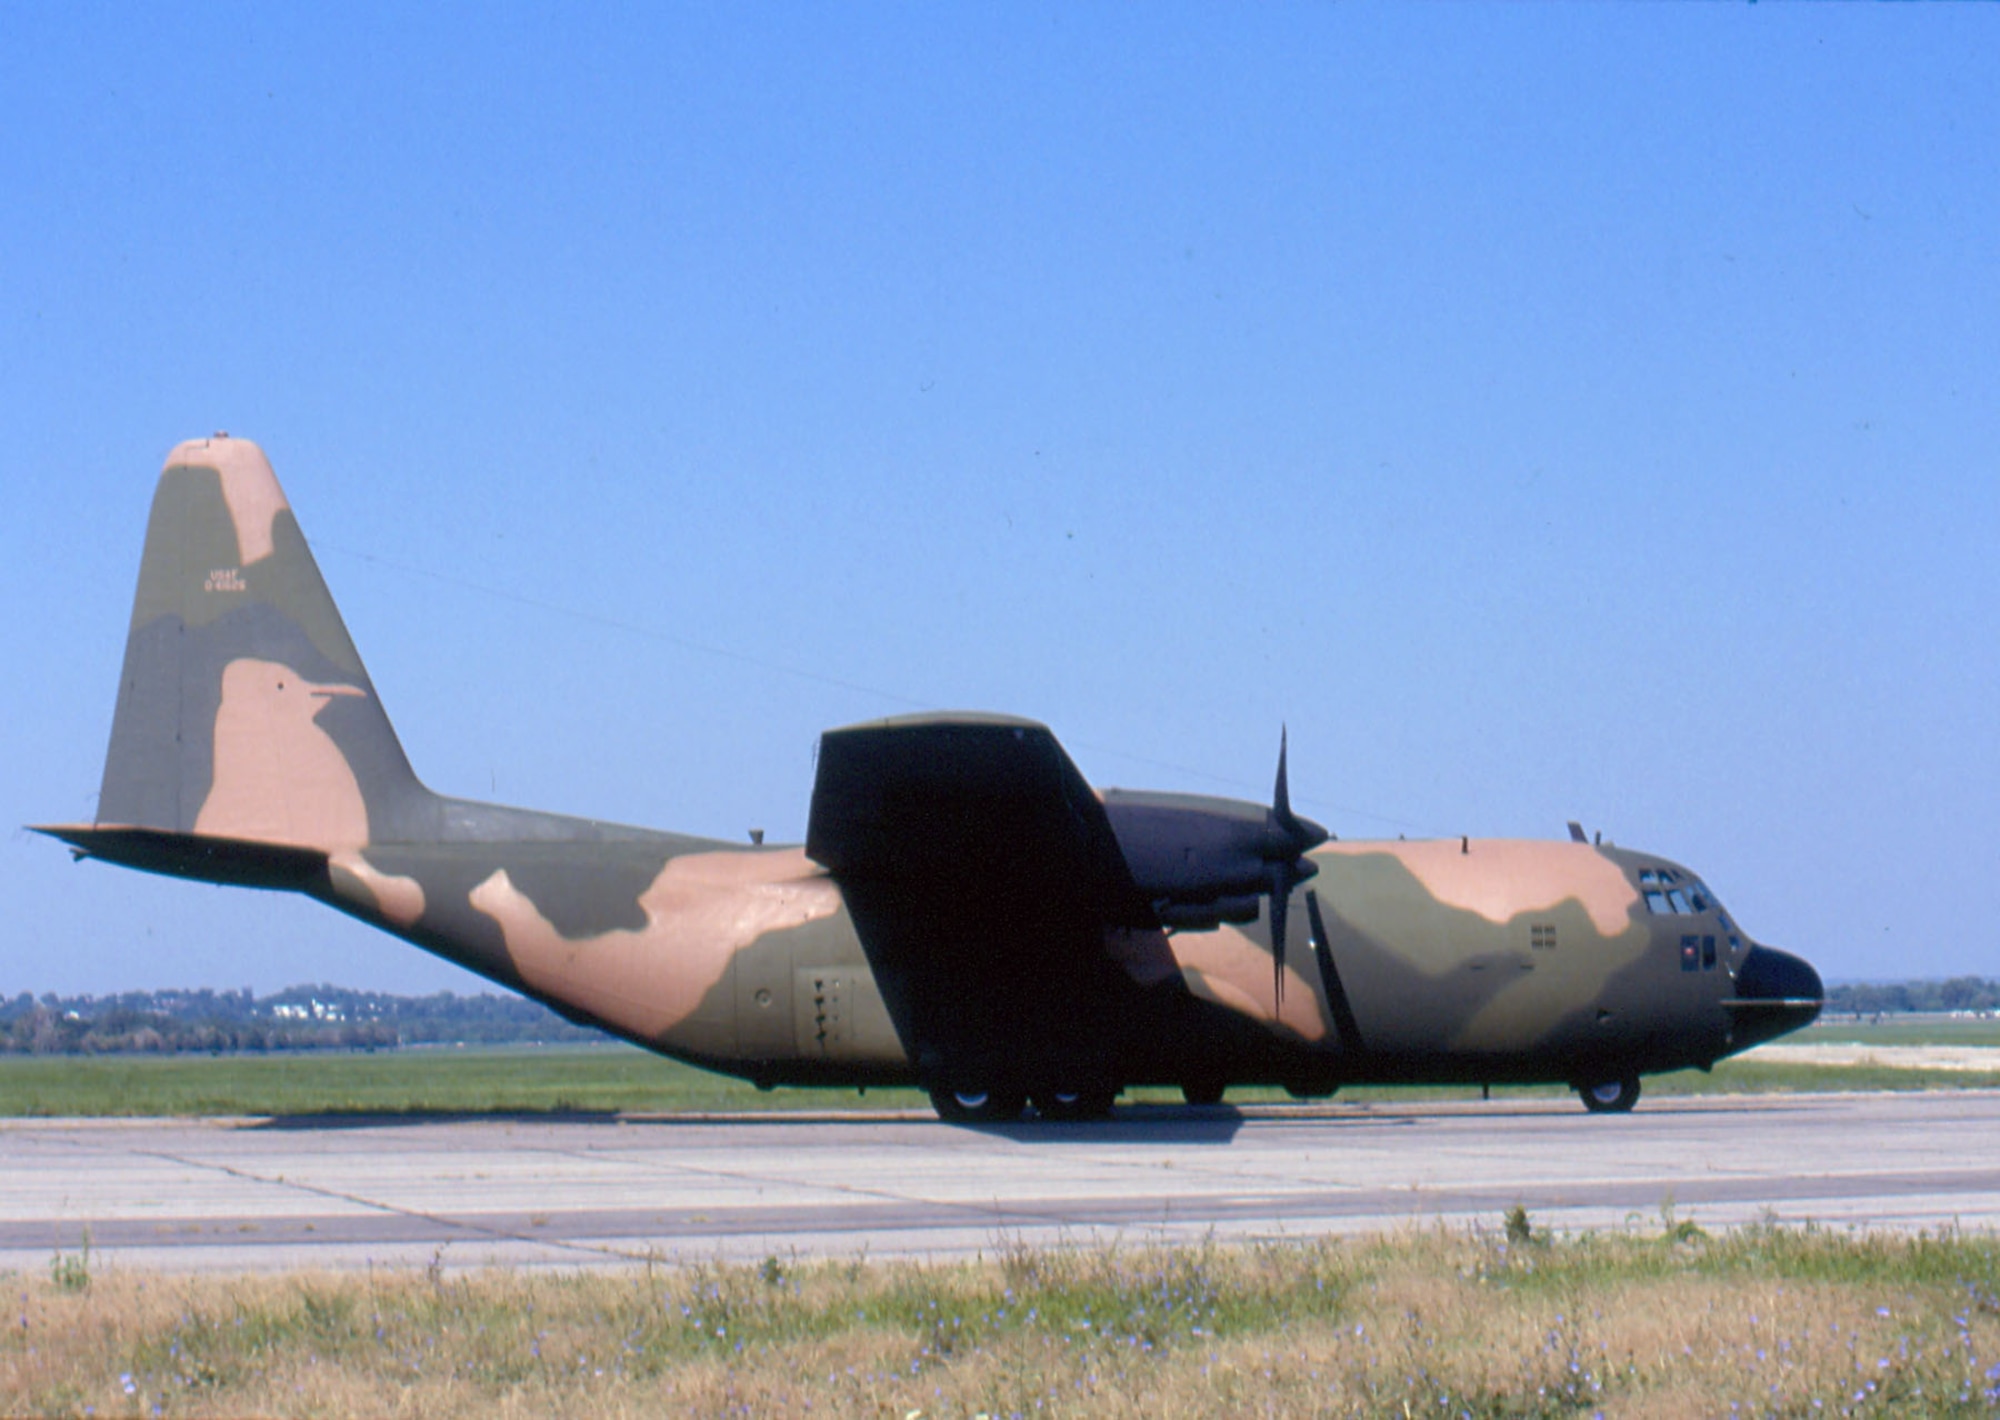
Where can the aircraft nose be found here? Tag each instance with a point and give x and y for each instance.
(1776, 992)
(1769, 975)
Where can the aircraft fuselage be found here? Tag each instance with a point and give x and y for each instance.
(1483, 960)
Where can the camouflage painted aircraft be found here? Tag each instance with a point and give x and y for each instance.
(966, 914)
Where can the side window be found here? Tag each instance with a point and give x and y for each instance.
(1656, 901)
(1690, 954)
(1708, 954)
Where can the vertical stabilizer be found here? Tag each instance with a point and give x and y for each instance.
(243, 709)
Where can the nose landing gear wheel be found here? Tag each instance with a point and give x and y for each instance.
(1609, 1096)
(1202, 1092)
(977, 1106)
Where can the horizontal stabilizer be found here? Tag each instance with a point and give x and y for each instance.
(235, 861)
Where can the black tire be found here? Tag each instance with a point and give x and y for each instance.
(1610, 1096)
(1067, 1105)
(1311, 1090)
(977, 1106)
(1203, 1092)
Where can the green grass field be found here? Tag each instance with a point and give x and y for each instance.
(618, 1078)
(1903, 1030)
(528, 1079)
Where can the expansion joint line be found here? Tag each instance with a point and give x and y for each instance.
(395, 1210)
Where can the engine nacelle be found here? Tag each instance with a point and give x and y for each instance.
(1202, 861)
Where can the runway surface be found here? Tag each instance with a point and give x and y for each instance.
(269, 1194)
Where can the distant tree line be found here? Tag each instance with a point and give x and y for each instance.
(296, 1018)
(1870, 998)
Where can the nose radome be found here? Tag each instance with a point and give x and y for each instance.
(1776, 993)
(1768, 974)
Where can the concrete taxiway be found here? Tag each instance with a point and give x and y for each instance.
(596, 1191)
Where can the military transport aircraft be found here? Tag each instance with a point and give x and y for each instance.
(966, 914)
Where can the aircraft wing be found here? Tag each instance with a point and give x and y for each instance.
(982, 875)
(965, 803)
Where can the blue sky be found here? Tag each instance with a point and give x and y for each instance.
(1547, 412)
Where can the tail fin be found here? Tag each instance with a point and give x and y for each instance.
(244, 712)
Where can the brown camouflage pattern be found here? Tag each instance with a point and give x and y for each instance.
(248, 734)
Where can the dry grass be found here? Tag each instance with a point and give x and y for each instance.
(1765, 1321)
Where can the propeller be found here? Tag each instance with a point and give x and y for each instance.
(1345, 1028)
(1289, 839)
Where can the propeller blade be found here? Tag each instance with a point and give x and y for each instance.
(1289, 866)
(1300, 834)
(1281, 796)
(1315, 922)
(1345, 1028)
(1281, 901)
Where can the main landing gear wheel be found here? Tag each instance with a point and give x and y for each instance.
(1074, 1104)
(1610, 1096)
(977, 1106)
(1202, 1092)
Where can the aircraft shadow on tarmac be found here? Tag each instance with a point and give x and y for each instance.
(417, 1118)
(1133, 1124)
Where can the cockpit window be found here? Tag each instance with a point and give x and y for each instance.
(1671, 893)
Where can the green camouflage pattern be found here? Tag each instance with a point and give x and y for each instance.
(249, 746)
